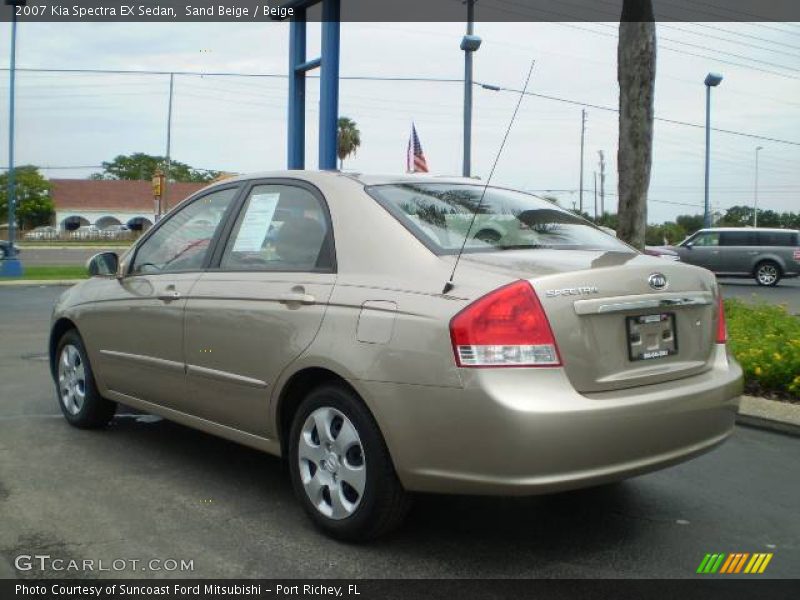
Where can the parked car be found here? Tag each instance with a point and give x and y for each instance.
(662, 252)
(87, 232)
(5, 248)
(331, 319)
(768, 255)
(116, 231)
(44, 232)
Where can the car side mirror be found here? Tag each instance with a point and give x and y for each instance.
(104, 264)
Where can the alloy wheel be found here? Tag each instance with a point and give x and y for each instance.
(71, 379)
(332, 463)
(767, 274)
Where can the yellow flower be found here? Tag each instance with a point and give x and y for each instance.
(777, 356)
(758, 370)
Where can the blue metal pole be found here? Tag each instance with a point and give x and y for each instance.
(707, 210)
(12, 217)
(329, 85)
(296, 134)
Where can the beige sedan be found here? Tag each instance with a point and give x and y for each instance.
(312, 315)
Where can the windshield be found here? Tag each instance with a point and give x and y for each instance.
(440, 214)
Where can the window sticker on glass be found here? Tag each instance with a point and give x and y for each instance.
(256, 222)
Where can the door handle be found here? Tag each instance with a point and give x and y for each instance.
(169, 294)
(297, 296)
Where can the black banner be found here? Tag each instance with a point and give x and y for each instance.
(405, 589)
(394, 10)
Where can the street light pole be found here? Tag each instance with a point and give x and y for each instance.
(755, 201)
(469, 44)
(12, 266)
(712, 80)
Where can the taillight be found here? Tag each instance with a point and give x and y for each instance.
(722, 329)
(506, 328)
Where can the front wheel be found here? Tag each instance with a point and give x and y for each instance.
(768, 273)
(81, 403)
(341, 469)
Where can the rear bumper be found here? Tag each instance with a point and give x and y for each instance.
(527, 431)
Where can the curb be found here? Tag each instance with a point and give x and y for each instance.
(21, 282)
(760, 413)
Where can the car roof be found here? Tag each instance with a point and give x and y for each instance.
(715, 229)
(314, 176)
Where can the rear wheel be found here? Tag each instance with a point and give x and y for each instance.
(341, 469)
(768, 273)
(77, 392)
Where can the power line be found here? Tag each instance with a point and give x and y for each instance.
(662, 119)
(389, 78)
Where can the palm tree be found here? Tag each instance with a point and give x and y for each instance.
(348, 139)
(636, 74)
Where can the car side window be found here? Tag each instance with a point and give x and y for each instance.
(706, 239)
(280, 228)
(737, 238)
(183, 241)
(776, 238)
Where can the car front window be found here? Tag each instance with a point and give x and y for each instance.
(182, 242)
(441, 214)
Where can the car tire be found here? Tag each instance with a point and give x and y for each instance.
(341, 469)
(768, 273)
(76, 390)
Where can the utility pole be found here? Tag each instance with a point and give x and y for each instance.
(755, 201)
(583, 135)
(469, 44)
(595, 196)
(11, 267)
(165, 192)
(602, 183)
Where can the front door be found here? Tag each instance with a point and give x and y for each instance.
(702, 250)
(250, 317)
(136, 324)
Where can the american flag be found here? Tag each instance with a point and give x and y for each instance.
(415, 158)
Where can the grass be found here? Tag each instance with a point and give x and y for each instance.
(765, 339)
(55, 272)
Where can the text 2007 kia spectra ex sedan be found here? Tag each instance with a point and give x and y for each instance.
(307, 314)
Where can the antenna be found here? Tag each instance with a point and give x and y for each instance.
(449, 284)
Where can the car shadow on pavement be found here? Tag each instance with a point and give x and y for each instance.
(508, 531)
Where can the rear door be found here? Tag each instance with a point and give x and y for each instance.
(738, 252)
(260, 306)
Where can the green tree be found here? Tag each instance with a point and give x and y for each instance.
(690, 223)
(141, 166)
(34, 205)
(348, 139)
(636, 75)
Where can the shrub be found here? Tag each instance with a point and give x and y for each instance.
(765, 339)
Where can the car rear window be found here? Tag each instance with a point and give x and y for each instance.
(441, 214)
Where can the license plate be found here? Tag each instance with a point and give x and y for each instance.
(651, 336)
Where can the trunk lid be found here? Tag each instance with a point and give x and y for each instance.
(615, 324)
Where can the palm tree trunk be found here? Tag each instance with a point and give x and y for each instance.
(636, 73)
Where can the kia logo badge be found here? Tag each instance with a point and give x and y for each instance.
(657, 281)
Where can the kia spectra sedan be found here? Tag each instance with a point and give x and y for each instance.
(316, 316)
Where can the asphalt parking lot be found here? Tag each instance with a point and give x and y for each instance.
(146, 488)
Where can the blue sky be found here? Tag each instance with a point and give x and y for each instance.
(239, 124)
